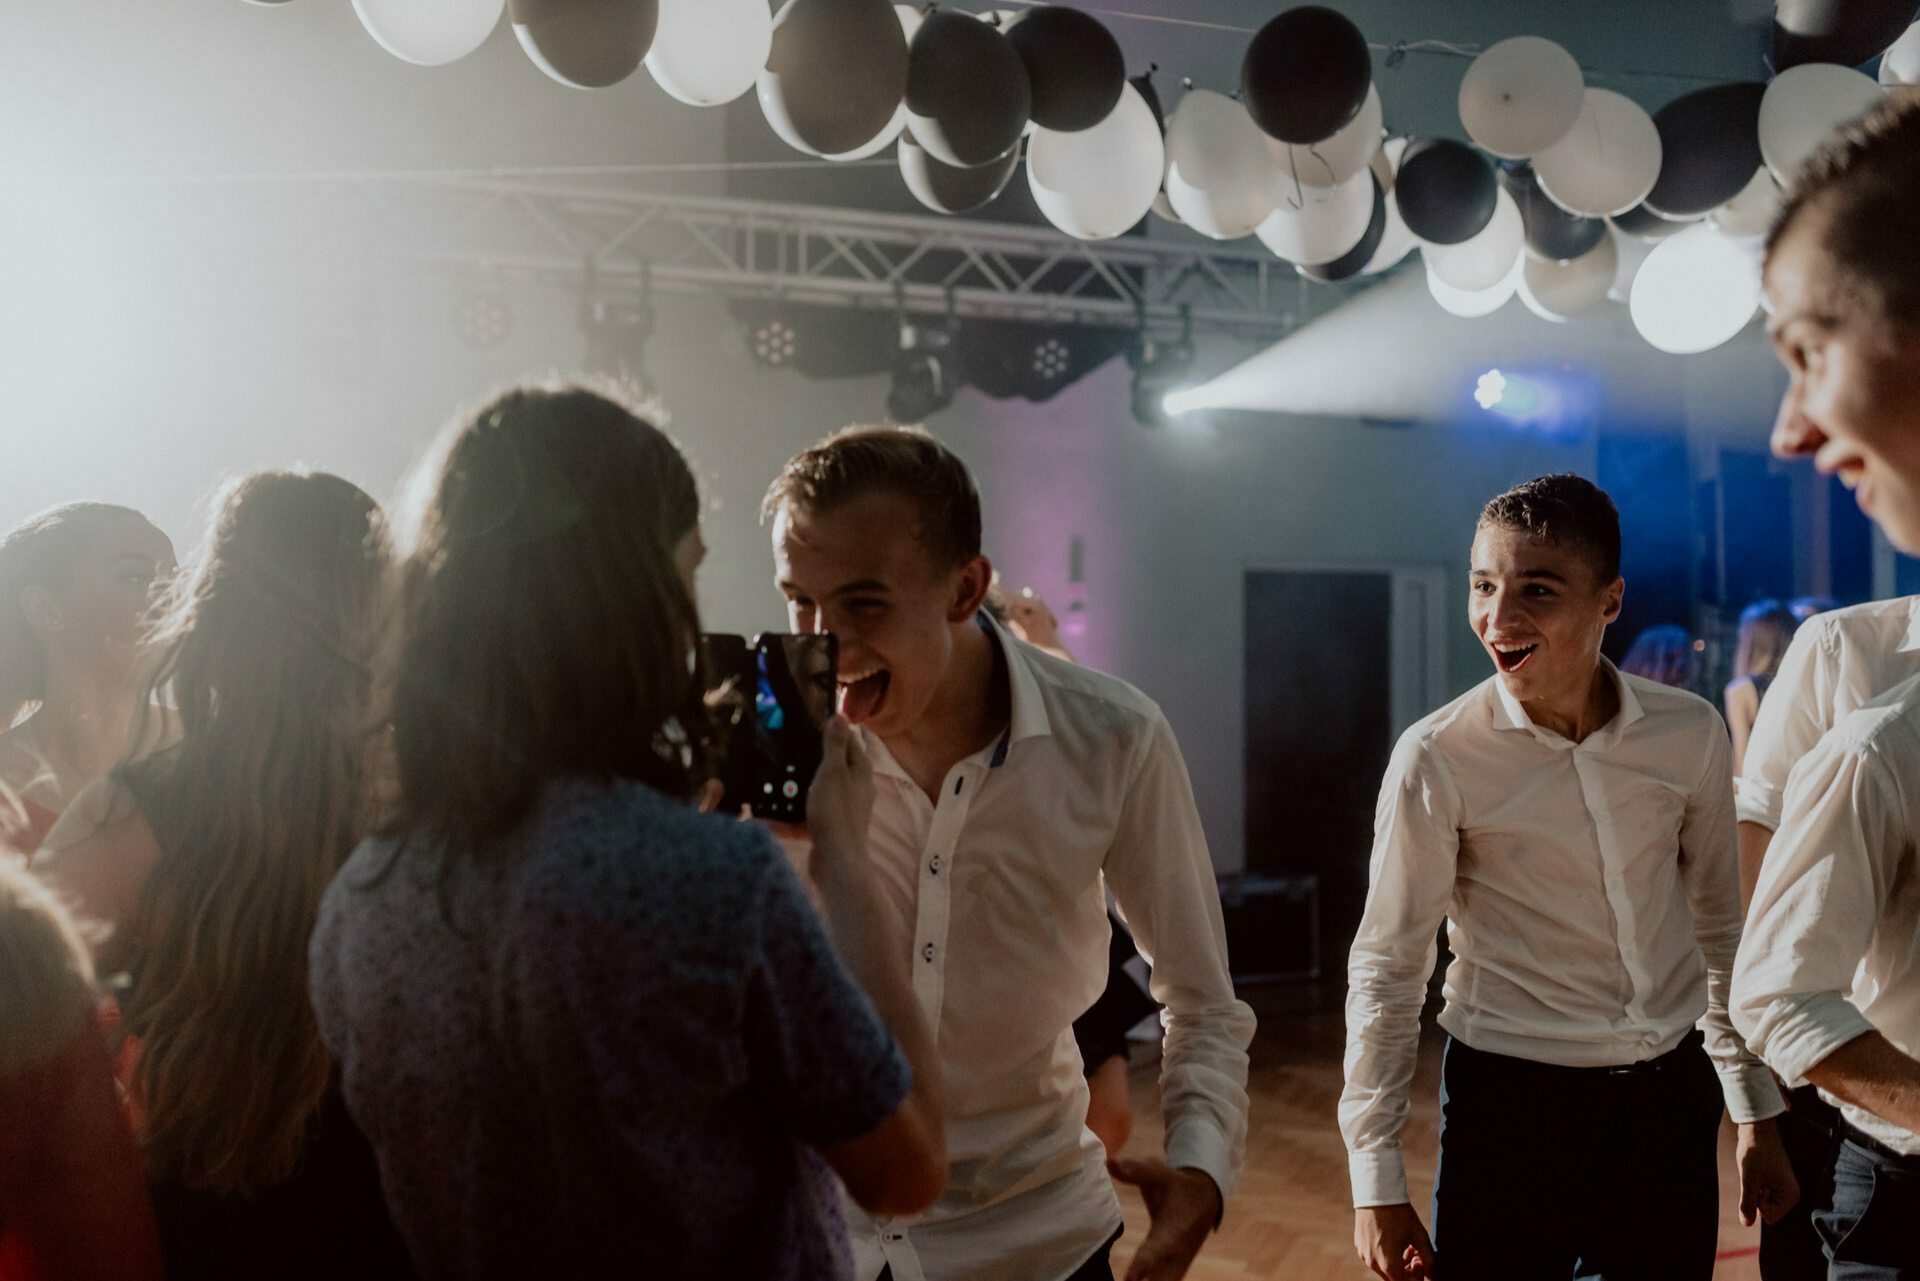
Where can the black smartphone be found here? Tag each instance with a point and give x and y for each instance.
(773, 699)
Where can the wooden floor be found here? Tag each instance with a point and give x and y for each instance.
(1291, 1217)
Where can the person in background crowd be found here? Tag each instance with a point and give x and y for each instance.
(1013, 788)
(1838, 662)
(1101, 1033)
(1805, 607)
(1574, 829)
(73, 1206)
(619, 1016)
(202, 866)
(1827, 988)
(1664, 655)
(1766, 628)
(75, 586)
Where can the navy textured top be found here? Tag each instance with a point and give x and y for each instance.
(607, 1048)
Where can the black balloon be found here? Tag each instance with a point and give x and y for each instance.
(1073, 63)
(1445, 190)
(1848, 32)
(1644, 224)
(1552, 232)
(837, 73)
(949, 189)
(1306, 75)
(1709, 149)
(1355, 260)
(589, 44)
(967, 89)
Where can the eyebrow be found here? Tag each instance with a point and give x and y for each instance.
(860, 587)
(1539, 575)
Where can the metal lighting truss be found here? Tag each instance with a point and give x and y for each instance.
(508, 227)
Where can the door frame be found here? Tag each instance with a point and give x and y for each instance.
(1417, 629)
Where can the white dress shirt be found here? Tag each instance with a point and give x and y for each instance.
(1838, 661)
(1591, 895)
(1001, 884)
(1832, 948)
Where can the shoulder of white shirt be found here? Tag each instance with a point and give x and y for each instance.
(1873, 725)
(1064, 683)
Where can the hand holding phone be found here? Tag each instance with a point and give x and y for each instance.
(773, 699)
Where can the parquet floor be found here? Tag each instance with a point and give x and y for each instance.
(1291, 1218)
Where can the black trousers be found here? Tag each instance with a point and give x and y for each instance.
(1549, 1172)
(1790, 1250)
(1097, 1268)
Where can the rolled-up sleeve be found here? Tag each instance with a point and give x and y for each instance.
(1416, 845)
(1827, 877)
(1798, 709)
(1163, 878)
(1709, 868)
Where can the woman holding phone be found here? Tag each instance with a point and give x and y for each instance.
(622, 1012)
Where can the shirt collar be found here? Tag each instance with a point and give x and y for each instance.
(1508, 714)
(1911, 641)
(1029, 718)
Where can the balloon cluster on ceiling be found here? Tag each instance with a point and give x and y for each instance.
(1569, 196)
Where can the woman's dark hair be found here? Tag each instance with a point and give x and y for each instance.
(544, 629)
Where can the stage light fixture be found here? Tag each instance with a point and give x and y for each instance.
(926, 373)
(775, 343)
(485, 320)
(1162, 368)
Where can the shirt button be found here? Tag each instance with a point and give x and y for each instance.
(934, 866)
(927, 953)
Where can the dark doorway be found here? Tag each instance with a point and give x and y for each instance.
(1319, 732)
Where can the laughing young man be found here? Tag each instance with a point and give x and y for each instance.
(1574, 828)
(1010, 786)
(1828, 982)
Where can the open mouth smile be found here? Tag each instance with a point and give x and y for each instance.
(1511, 658)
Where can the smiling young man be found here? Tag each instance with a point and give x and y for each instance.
(1574, 828)
(1827, 986)
(1011, 788)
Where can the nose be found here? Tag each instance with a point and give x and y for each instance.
(1503, 610)
(1794, 434)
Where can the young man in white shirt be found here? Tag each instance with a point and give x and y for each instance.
(1574, 828)
(1010, 785)
(1827, 988)
(1840, 660)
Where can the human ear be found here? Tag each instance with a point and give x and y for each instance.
(970, 589)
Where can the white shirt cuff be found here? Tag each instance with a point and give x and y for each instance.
(1379, 1177)
(1757, 803)
(1197, 1145)
(1751, 1094)
(1814, 1028)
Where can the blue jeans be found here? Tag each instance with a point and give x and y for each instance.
(1550, 1173)
(1872, 1232)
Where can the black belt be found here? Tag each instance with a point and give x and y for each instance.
(1678, 1056)
(1861, 1139)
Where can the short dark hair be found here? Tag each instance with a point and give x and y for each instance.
(1867, 179)
(906, 461)
(1566, 511)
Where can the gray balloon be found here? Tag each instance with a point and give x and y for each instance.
(589, 44)
(837, 73)
(948, 189)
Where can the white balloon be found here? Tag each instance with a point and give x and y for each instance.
(1475, 304)
(1901, 65)
(1557, 290)
(1804, 106)
(1695, 291)
(1219, 179)
(1164, 208)
(1316, 225)
(1521, 96)
(1751, 212)
(1099, 182)
(1631, 252)
(707, 52)
(1607, 163)
(1331, 162)
(1479, 263)
(911, 16)
(430, 34)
